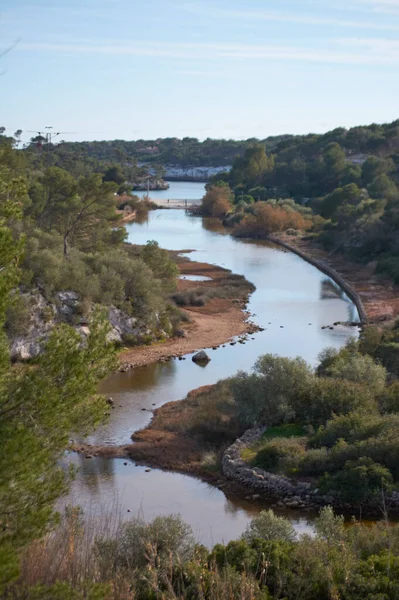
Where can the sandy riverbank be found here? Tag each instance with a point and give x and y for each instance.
(216, 323)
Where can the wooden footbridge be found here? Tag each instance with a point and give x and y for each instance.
(175, 203)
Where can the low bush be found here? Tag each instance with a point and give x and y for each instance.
(268, 526)
(137, 543)
(270, 218)
(352, 428)
(280, 454)
(18, 317)
(190, 298)
(359, 480)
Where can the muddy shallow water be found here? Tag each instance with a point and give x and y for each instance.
(292, 301)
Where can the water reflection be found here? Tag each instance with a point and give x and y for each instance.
(141, 218)
(293, 301)
(330, 290)
(178, 190)
(132, 491)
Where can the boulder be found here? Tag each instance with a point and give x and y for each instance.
(26, 348)
(201, 357)
(68, 302)
(114, 336)
(121, 322)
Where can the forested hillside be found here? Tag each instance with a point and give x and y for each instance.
(378, 140)
(341, 187)
(347, 179)
(69, 289)
(75, 257)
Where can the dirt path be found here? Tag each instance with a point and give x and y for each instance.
(216, 323)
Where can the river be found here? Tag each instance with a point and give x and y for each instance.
(293, 301)
(178, 190)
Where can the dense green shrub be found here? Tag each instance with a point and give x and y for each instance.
(327, 396)
(282, 454)
(167, 538)
(359, 368)
(388, 354)
(113, 277)
(268, 526)
(351, 427)
(389, 399)
(359, 480)
(18, 316)
(267, 394)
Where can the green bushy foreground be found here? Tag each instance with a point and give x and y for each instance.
(338, 426)
(111, 560)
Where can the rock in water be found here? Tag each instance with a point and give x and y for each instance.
(201, 357)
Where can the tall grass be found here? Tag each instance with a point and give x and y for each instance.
(232, 286)
(82, 560)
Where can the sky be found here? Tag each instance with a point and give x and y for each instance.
(130, 69)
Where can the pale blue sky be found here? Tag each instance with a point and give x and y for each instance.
(133, 69)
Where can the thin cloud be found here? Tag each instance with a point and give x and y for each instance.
(373, 45)
(383, 7)
(285, 17)
(203, 73)
(381, 52)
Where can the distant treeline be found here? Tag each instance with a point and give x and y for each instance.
(380, 140)
(342, 187)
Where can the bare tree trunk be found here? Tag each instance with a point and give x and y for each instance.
(66, 246)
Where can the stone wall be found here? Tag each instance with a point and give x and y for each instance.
(325, 268)
(288, 492)
(292, 493)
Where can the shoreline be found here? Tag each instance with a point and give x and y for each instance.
(327, 270)
(218, 322)
(162, 448)
(376, 298)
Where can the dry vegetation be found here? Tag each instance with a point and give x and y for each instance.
(267, 219)
(190, 435)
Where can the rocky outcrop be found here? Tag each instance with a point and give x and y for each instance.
(42, 318)
(121, 324)
(65, 308)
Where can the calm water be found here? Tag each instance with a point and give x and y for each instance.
(178, 190)
(293, 300)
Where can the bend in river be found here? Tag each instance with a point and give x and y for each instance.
(293, 301)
